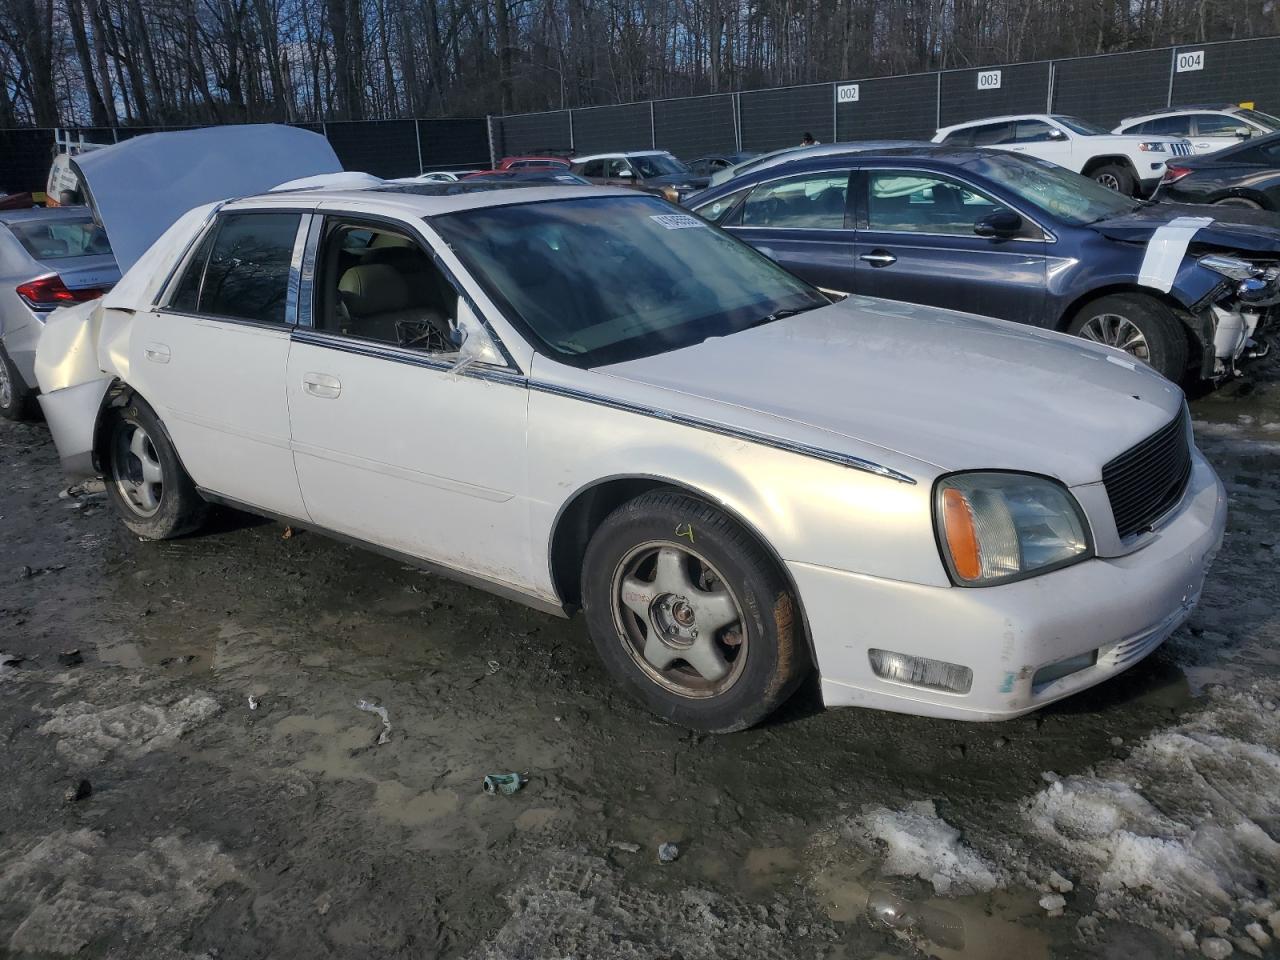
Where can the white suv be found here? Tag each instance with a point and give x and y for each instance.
(1130, 164)
(1208, 128)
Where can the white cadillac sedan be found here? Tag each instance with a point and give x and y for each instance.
(579, 397)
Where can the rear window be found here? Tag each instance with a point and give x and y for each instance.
(61, 239)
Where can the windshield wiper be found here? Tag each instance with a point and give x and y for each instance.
(781, 315)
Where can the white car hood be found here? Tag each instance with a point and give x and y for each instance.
(140, 187)
(954, 390)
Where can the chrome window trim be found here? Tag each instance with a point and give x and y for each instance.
(737, 433)
(293, 292)
(415, 358)
(165, 293)
(1049, 235)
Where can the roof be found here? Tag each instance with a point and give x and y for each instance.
(1179, 111)
(428, 200)
(1001, 119)
(620, 153)
(29, 214)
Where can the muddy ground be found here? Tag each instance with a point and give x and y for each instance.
(212, 829)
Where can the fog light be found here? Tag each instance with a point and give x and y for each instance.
(1063, 668)
(921, 671)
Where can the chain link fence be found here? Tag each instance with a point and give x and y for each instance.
(1104, 89)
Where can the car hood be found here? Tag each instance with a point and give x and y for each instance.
(953, 390)
(1233, 228)
(140, 187)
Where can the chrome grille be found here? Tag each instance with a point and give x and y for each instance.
(1180, 149)
(1145, 481)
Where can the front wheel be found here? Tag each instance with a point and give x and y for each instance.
(151, 491)
(688, 611)
(1238, 202)
(1118, 178)
(1141, 326)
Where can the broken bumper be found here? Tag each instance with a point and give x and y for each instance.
(1094, 619)
(72, 414)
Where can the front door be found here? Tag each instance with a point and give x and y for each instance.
(211, 359)
(391, 445)
(801, 223)
(916, 242)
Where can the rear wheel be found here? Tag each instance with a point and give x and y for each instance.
(145, 480)
(1117, 177)
(1141, 326)
(17, 402)
(690, 613)
(1238, 202)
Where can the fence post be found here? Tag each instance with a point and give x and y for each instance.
(1173, 67)
(937, 104)
(653, 129)
(737, 121)
(835, 115)
(417, 135)
(1053, 75)
(572, 147)
(488, 125)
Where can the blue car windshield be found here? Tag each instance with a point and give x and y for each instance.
(599, 280)
(1064, 195)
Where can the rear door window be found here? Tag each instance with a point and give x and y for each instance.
(815, 201)
(241, 270)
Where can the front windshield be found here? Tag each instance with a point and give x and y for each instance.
(598, 280)
(1082, 127)
(658, 165)
(1067, 196)
(1257, 116)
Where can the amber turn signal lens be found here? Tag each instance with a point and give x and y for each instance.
(962, 538)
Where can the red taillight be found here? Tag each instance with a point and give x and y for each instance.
(1173, 174)
(45, 293)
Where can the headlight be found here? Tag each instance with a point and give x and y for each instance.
(1153, 146)
(1232, 267)
(996, 527)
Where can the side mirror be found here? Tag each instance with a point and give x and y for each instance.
(1056, 134)
(999, 225)
(624, 174)
(1242, 133)
(473, 340)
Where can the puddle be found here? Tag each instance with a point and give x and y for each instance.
(400, 804)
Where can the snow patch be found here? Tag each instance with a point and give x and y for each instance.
(918, 843)
(90, 733)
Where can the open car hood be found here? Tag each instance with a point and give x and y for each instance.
(139, 188)
(1233, 228)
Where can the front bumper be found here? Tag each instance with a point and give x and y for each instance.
(1121, 608)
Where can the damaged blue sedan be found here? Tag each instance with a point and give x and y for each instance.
(1186, 290)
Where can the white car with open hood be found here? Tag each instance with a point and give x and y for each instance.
(583, 397)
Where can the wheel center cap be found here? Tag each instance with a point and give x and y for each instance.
(682, 613)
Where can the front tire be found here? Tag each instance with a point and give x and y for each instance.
(1117, 177)
(1244, 202)
(145, 481)
(17, 402)
(1141, 326)
(689, 612)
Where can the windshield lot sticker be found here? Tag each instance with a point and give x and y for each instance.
(1165, 250)
(676, 221)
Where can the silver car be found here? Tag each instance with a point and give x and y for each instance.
(49, 258)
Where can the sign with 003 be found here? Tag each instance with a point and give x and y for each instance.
(989, 80)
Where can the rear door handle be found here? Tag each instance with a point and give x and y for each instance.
(157, 352)
(321, 385)
(879, 258)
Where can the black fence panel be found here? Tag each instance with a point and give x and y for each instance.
(1106, 89)
(890, 108)
(533, 133)
(454, 144)
(772, 119)
(969, 94)
(695, 126)
(625, 127)
(1239, 72)
(25, 158)
(384, 148)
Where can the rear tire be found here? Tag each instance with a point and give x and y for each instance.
(668, 577)
(1238, 202)
(1118, 178)
(1142, 326)
(17, 401)
(146, 483)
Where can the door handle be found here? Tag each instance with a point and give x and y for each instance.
(157, 352)
(321, 385)
(879, 258)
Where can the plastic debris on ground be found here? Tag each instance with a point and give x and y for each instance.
(253, 703)
(503, 783)
(367, 707)
(668, 853)
(624, 846)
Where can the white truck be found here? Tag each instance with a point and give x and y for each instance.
(1132, 165)
(63, 188)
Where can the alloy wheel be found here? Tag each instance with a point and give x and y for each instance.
(680, 621)
(1109, 180)
(1117, 331)
(136, 469)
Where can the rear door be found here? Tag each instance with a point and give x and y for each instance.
(916, 242)
(211, 359)
(802, 222)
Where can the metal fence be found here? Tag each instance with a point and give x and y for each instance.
(1104, 89)
(385, 148)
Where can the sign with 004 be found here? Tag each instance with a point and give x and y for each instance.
(1189, 60)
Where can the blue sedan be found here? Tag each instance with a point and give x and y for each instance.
(987, 232)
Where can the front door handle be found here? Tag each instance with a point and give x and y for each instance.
(157, 352)
(321, 385)
(879, 258)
